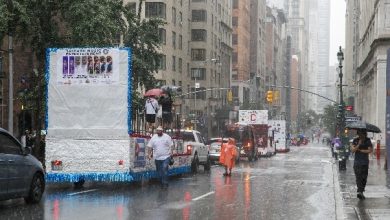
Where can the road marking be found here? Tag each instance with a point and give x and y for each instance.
(200, 197)
(86, 191)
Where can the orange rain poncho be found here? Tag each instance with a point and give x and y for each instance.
(228, 153)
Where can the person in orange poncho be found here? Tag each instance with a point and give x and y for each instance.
(228, 155)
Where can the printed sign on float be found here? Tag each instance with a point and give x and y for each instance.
(253, 116)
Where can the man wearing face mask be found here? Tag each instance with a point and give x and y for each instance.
(362, 147)
(160, 147)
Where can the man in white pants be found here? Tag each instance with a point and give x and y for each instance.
(161, 145)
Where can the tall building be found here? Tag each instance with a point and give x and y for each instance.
(275, 59)
(241, 52)
(197, 52)
(319, 27)
(174, 35)
(298, 14)
(257, 53)
(373, 29)
(211, 53)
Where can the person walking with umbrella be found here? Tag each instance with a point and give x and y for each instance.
(362, 147)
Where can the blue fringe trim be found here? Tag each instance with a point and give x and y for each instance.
(129, 88)
(47, 79)
(111, 177)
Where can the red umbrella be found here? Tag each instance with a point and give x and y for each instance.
(153, 92)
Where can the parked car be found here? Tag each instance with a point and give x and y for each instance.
(21, 174)
(215, 149)
(196, 146)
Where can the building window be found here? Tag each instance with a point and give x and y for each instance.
(180, 18)
(162, 65)
(198, 35)
(180, 42)
(173, 63)
(198, 73)
(133, 7)
(188, 70)
(235, 39)
(180, 65)
(234, 57)
(235, 21)
(174, 16)
(199, 15)
(198, 54)
(235, 4)
(155, 9)
(174, 39)
(162, 35)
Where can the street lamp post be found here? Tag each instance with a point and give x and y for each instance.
(341, 113)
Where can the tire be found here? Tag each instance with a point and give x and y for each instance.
(37, 188)
(207, 165)
(79, 184)
(195, 164)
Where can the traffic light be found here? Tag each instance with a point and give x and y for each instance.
(270, 96)
(230, 96)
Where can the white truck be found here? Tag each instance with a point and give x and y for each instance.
(195, 144)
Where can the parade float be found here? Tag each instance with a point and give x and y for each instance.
(89, 134)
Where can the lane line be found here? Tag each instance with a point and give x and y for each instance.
(77, 193)
(200, 197)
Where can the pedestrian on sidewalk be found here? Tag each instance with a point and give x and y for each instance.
(160, 147)
(362, 147)
(228, 156)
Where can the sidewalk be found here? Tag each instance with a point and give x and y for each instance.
(376, 206)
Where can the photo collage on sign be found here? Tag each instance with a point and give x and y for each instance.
(87, 67)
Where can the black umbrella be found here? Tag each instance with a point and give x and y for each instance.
(361, 125)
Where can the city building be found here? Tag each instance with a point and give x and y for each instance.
(298, 25)
(317, 77)
(257, 76)
(373, 44)
(197, 56)
(275, 60)
(240, 79)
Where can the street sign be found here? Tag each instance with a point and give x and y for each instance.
(197, 85)
(253, 116)
(354, 118)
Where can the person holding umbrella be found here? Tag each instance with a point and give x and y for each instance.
(362, 147)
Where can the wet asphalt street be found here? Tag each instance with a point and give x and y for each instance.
(295, 185)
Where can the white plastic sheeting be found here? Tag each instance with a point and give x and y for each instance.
(88, 155)
(94, 110)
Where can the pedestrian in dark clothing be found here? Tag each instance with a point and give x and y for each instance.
(362, 147)
(166, 106)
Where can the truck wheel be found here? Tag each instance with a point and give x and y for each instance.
(36, 189)
(207, 165)
(195, 164)
(79, 183)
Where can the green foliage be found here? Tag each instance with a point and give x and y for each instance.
(143, 37)
(92, 22)
(329, 118)
(41, 24)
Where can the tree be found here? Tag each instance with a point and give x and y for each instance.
(329, 119)
(79, 23)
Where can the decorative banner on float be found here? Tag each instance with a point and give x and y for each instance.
(253, 116)
(87, 66)
(139, 152)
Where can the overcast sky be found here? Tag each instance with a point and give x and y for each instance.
(337, 28)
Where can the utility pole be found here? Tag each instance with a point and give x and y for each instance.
(11, 73)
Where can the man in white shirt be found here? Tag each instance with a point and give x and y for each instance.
(161, 145)
(151, 108)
